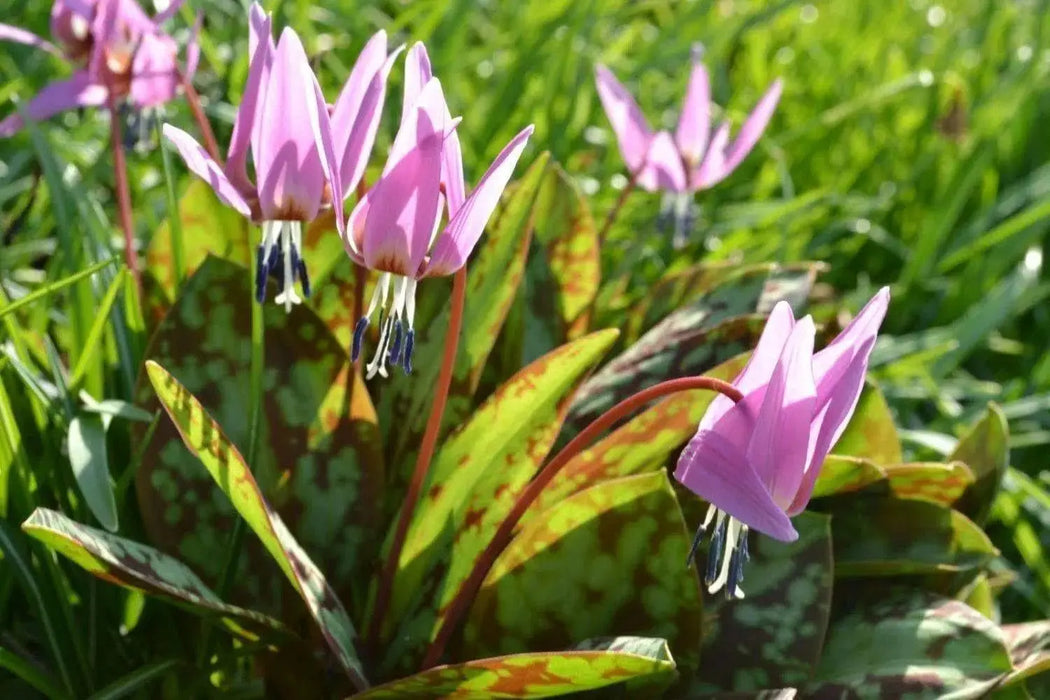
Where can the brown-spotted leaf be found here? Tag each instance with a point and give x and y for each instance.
(319, 460)
(774, 635)
(479, 471)
(493, 275)
(723, 322)
(931, 481)
(205, 439)
(909, 643)
(840, 474)
(645, 443)
(608, 560)
(536, 675)
(880, 536)
(138, 567)
(871, 433)
(985, 449)
(1029, 645)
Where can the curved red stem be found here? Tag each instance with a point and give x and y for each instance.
(120, 177)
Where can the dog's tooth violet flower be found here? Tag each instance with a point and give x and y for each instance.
(756, 461)
(396, 227)
(283, 120)
(695, 157)
(118, 51)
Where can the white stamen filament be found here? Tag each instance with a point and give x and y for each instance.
(395, 307)
(733, 531)
(287, 234)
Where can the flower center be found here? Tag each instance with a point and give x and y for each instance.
(395, 297)
(278, 256)
(726, 555)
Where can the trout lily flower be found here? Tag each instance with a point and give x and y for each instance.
(119, 52)
(756, 461)
(695, 157)
(396, 227)
(283, 120)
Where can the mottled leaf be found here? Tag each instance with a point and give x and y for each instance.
(931, 481)
(645, 443)
(534, 675)
(86, 444)
(778, 694)
(841, 474)
(773, 637)
(138, 567)
(985, 449)
(1029, 645)
(871, 433)
(910, 643)
(319, 460)
(478, 473)
(607, 560)
(220, 457)
(878, 536)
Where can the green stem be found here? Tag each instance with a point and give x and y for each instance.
(174, 218)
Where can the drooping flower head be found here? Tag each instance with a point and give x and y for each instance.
(283, 121)
(118, 52)
(756, 461)
(396, 227)
(696, 156)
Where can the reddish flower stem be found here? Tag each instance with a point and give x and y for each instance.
(426, 452)
(470, 586)
(193, 99)
(615, 211)
(120, 176)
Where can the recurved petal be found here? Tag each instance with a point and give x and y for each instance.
(663, 166)
(753, 127)
(168, 12)
(193, 48)
(428, 117)
(628, 123)
(288, 164)
(404, 206)
(154, 71)
(779, 444)
(21, 36)
(261, 49)
(76, 91)
(417, 74)
(712, 169)
(321, 125)
(201, 165)
(717, 470)
(455, 244)
(694, 124)
(829, 364)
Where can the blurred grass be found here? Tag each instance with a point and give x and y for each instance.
(909, 149)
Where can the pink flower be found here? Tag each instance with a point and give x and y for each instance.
(283, 120)
(119, 50)
(756, 461)
(396, 228)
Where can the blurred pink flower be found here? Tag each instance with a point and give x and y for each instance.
(396, 227)
(756, 461)
(284, 121)
(118, 50)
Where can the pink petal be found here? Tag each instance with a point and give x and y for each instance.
(864, 327)
(780, 440)
(321, 125)
(455, 244)
(628, 123)
(716, 470)
(71, 22)
(663, 166)
(694, 125)
(355, 119)
(428, 118)
(404, 206)
(154, 72)
(753, 127)
(76, 91)
(288, 164)
(261, 48)
(417, 75)
(712, 170)
(21, 36)
(354, 235)
(201, 164)
(193, 48)
(168, 13)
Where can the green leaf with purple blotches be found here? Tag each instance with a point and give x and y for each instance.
(937, 482)
(205, 439)
(871, 433)
(910, 643)
(842, 474)
(985, 448)
(880, 536)
(774, 635)
(1029, 645)
(619, 669)
(319, 462)
(609, 560)
(479, 471)
(141, 568)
